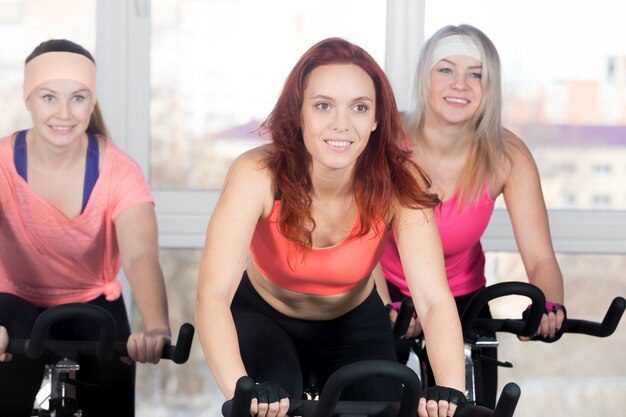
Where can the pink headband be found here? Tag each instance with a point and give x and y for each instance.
(59, 66)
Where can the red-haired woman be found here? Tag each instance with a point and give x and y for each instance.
(313, 209)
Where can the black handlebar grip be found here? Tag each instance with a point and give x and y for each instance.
(104, 345)
(180, 352)
(605, 328)
(367, 369)
(483, 296)
(507, 401)
(505, 407)
(403, 320)
(239, 406)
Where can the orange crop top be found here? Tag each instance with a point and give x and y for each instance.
(324, 271)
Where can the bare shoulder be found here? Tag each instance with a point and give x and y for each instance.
(514, 146)
(516, 154)
(252, 165)
(518, 162)
(249, 179)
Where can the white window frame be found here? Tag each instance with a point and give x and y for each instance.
(123, 54)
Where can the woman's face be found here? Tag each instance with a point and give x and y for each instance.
(338, 115)
(60, 111)
(455, 90)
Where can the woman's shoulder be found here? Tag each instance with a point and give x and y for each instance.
(112, 154)
(250, 169)
(513, 144)
(253, 161)
(518, 157)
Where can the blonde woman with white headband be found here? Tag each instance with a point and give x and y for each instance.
(456, 135)
(74, 209)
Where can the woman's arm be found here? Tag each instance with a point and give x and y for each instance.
(421, 254)
(245, 198)
(137, 237)
(414, 329)
(529, 217)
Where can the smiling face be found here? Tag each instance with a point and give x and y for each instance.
(456, 91)
(338, 115)
(60, 110)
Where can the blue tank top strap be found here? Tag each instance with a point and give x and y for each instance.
(92, 168)
(19, 155)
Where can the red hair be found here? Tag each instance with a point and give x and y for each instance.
(382, 172)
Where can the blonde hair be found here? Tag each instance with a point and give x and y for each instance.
(488, 146)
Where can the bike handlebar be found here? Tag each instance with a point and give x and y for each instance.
(605, 328)
(521, 327)
(330, 406)
(104, 348)
(527, 327)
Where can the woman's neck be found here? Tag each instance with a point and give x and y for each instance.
(443, 139)
(332, 184)
(47, 155)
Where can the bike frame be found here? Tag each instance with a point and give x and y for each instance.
(63, 368)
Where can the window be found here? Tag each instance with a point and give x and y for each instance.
(602, 169)
(569, 113)
(217, 68)
(601, 201)
(557, 102)
(23, 25)
(569, 108)
(587, 370)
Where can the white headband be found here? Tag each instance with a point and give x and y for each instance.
(455, 45)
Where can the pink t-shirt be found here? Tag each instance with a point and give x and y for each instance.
(460, 230)
(48, 259)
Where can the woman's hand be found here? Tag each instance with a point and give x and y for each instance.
(270, 400)
(439, 402)
(551, 322)
(147, 347)
(415, 327)
(4, 342)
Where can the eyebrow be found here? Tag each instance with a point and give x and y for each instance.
(73, 92)
(325, 97)
(456, 65)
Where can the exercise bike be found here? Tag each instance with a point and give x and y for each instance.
(63, 365)
(329, 404)
(474, 329)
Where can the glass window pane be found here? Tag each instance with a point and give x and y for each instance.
(218, 66)
(23, 25)
(589, 371)
(539, 368)
(564, 89)
(167, 389)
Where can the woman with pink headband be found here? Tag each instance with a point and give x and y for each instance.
(74, 209)
(457, 136)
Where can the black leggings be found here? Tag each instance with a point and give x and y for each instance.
(286, 351)
(20, 378)
(486, 395)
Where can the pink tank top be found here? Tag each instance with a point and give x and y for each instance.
(331, 270)
(460, 230)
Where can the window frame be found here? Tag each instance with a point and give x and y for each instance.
(123, 55)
